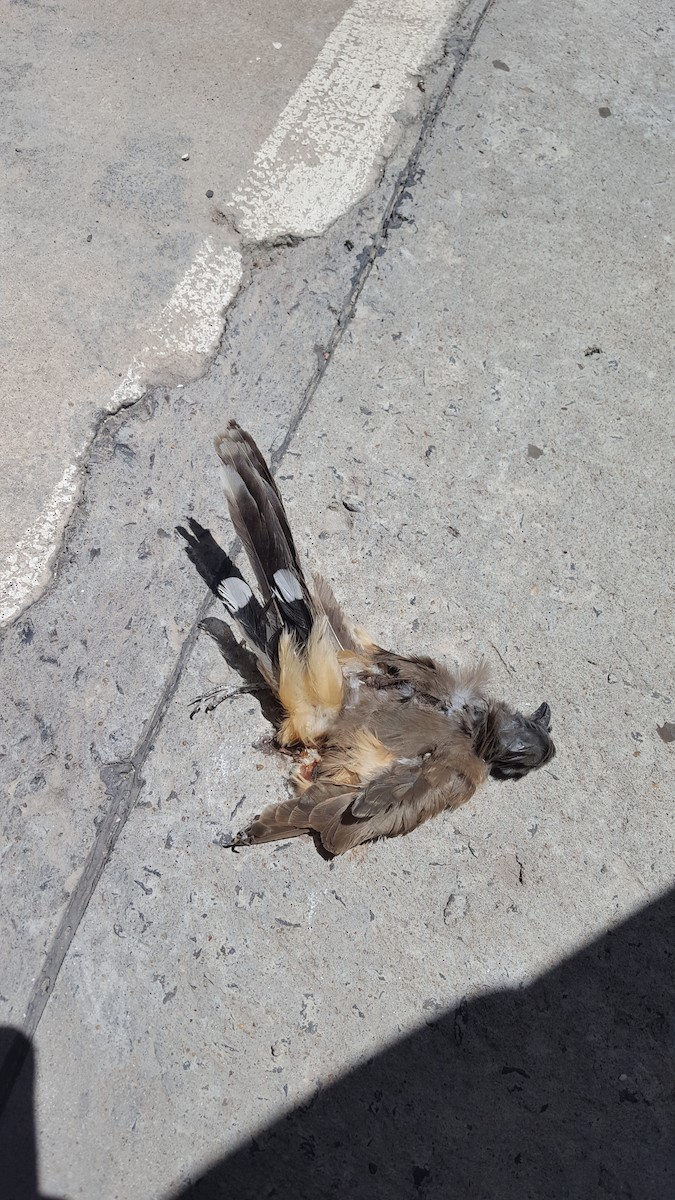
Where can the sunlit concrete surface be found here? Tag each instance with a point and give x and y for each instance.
(482, 1009)
(125, 127)
(144, 146)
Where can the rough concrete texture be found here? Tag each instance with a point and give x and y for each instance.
(101, 111)
(147, 461)
(126, 129)
(133, 194)
(485, 1008)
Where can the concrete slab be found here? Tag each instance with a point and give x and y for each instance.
(496, 400)
(129, 134)
(119, 123)
(85, 670)
(73, 779)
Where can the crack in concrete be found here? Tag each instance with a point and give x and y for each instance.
(123, 780)
(460, 49)
(250, 253)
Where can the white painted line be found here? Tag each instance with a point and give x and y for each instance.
(186, 332)
(189, 326)
(26, 567)
(320, 159)
(324, 152)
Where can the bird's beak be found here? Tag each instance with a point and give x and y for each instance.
(543, 716)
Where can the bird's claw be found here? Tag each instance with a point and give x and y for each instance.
(243, 838)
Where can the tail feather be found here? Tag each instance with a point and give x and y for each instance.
(247, 446)
(227, 582)
(249, 614)
(259, 518)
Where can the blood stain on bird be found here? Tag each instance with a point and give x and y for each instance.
(382, 741)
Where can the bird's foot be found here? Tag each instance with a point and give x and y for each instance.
(212, 699)
(243, 838)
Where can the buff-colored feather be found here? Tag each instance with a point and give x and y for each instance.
(311, 686)
(393, 740)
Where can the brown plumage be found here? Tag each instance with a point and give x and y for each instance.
(384, 741)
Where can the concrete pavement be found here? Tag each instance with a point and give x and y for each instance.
(146, 150)
(119, 124)
(476, 351)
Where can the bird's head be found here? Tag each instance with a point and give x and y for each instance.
(512, 744)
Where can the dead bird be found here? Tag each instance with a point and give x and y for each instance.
(384, 741)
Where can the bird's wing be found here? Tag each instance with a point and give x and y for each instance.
(389, 767)
(424, 678)
(345, 633)
(395, 802)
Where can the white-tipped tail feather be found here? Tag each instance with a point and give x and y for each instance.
(399, 738)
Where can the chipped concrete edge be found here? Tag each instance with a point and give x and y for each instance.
(184, 340)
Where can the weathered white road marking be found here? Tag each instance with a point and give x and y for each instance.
(179, 342)
(324, 153)
(320, 159)
(189, 326)
(25, 568)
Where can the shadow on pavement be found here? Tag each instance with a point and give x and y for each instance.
(18, 1152)
(562, 1089)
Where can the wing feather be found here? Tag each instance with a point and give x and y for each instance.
(343, 630)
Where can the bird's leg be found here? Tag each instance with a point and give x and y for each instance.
(221, 693)
(242, 838)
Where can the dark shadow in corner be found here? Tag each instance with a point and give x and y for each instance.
(214, 565)
(18, 1152)
(564, 1090)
